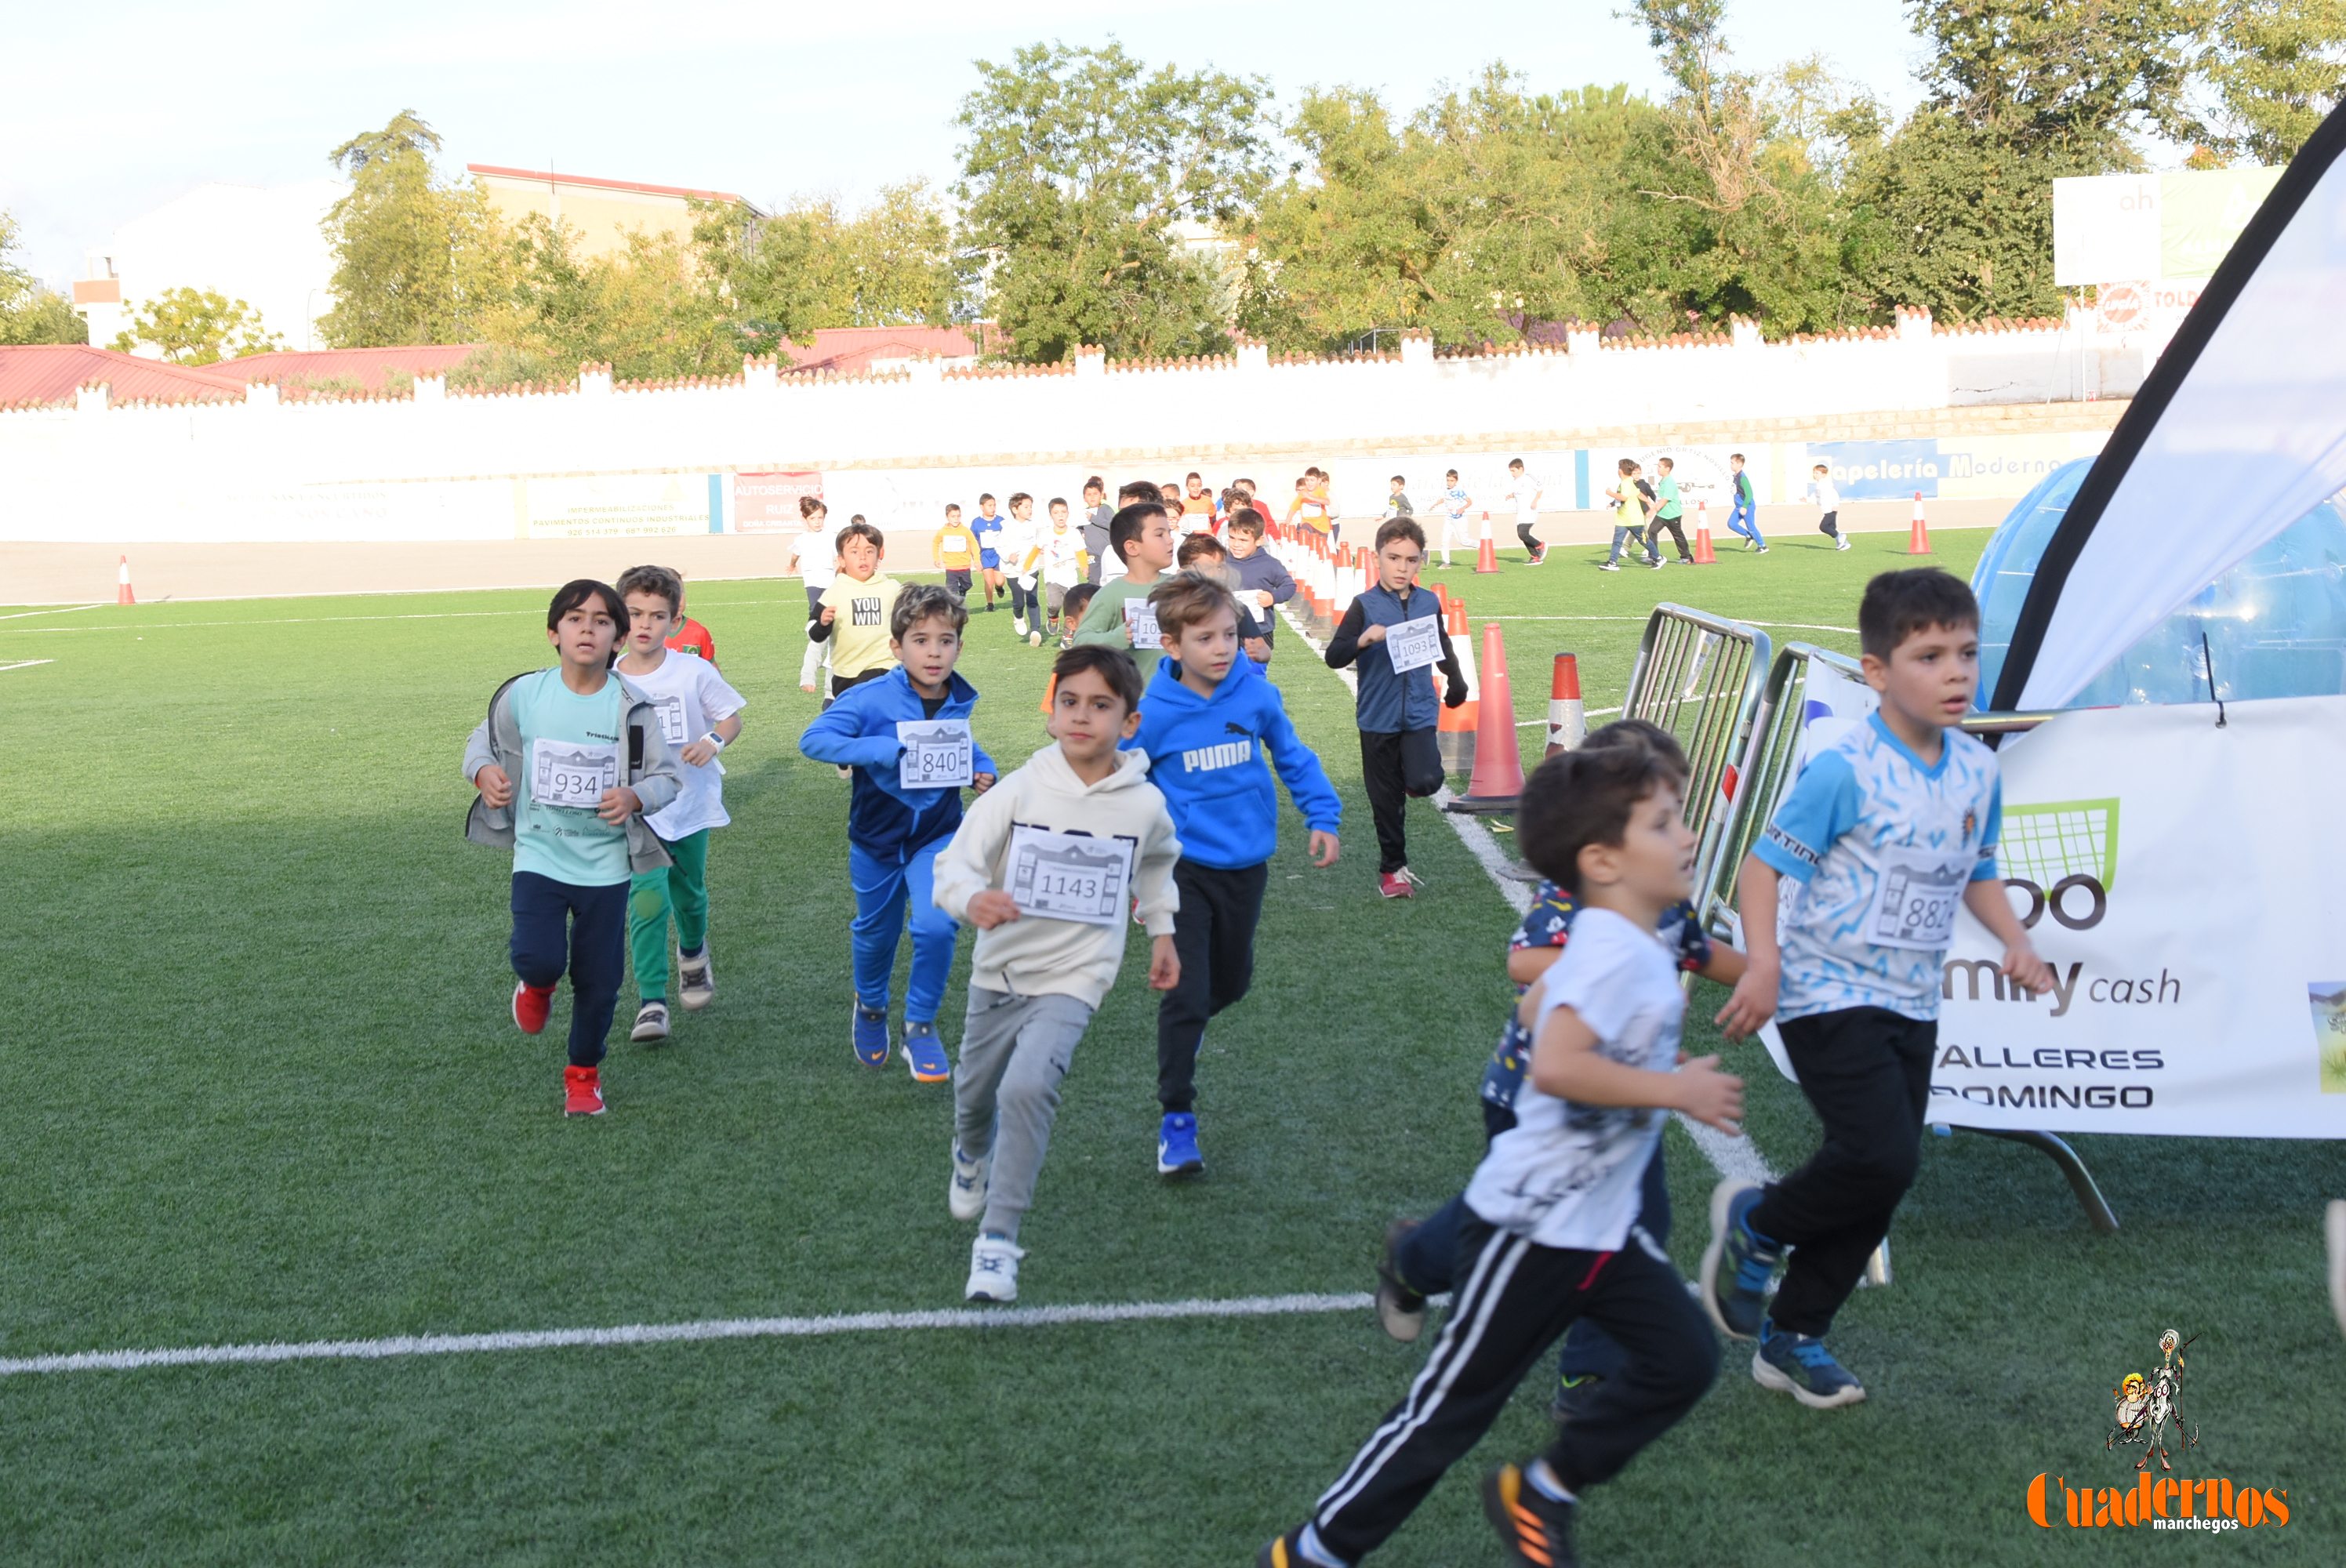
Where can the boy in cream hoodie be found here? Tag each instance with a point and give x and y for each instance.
(1044, 865)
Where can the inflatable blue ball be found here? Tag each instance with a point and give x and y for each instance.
(2275, 624)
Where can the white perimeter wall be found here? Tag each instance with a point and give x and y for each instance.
(598, 461)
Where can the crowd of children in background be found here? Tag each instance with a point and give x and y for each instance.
(1155, 802)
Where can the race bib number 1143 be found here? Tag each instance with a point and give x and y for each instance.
(1069, 876)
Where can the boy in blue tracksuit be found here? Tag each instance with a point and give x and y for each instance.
(1206, 720)
(909, 723)
(1398, 755)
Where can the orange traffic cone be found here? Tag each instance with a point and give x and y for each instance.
(1498, 763)
(1486, 555)
(1918, 540)
(1050, 693)
(1567, 724)
(122, 594)
(1702, 555)
(1454, 727)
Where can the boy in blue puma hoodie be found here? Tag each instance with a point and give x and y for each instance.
(910, 724)
(1205, 721)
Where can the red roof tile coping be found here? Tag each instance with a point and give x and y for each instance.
(553, 179)
(369, 367)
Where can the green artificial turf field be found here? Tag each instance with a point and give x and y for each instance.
(262, 1086)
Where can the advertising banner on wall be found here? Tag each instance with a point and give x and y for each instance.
(2199, 967)
(769, 502)
(614, 505)
(1945, 465)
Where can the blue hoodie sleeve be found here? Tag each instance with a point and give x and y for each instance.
(837, 736)
(1299, 766)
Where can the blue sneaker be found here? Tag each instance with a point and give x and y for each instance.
(1177, 1145)
(1738, 1263)
(924, 1053)
(1800, 1366)
(870, 1025)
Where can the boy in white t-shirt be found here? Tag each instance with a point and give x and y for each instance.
(1524, 488)
(1057, 562)
(1014, 543)
(1552, 1233)
(1454, 504)
(1827, 496)
(699, 715)
(815, 557)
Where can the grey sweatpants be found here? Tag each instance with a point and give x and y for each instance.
(1014, 1052)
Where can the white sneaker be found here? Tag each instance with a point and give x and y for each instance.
(651, 1023)
(1018, 625)
(1610, 566)
(1033, 639)
(1842, 542)
(993, 1270)
(971, 1178)
(696, 980)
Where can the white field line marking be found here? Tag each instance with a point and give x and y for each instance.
(678, 1333)
(23, 614)
(142, 627)
(1786, 625)
(25, 663)
(1735, 1157)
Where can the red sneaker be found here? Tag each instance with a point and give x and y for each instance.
(530, 1005)
(1396, 884)
(582, 1092)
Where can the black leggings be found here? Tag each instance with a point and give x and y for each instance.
(1654, 536)
(1213, 934)
(1867, 1073)
(1524, 532)
(1394, 767)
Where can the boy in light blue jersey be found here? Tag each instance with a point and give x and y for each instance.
(568, 763)
(1883, 834)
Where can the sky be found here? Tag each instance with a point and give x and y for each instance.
(112, 110)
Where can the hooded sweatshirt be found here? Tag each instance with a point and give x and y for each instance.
(883, 818)
(1036, 955)
(1206, 757)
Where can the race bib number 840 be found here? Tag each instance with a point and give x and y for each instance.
(937, 753)
(1069, 876)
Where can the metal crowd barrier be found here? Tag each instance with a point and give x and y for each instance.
(1701, 677)
(1767, 772)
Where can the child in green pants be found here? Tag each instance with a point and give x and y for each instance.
(699, 715)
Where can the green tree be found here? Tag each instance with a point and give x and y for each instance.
(2059, 71)
(2277, 68)
(812, 266)
(417, 259)
(198, 327)
(30, 312)
(645, 309)
(1077, 166)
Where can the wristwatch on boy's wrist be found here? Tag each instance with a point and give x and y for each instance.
(716, 741)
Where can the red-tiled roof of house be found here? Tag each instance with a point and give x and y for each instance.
(52, 372)
(366, 367)
(850, 350)
(551, 178)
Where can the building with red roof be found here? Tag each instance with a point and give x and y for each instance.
(54, 372)
(852, 350)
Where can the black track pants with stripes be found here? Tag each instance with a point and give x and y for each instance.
(1515, 1299)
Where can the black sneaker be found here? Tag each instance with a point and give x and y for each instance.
(1287, 1552)
(1572, 1397)
(1536, 1530)
(1401, 1311)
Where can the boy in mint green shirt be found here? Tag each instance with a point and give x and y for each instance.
(567, 763)
(1668, 512)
